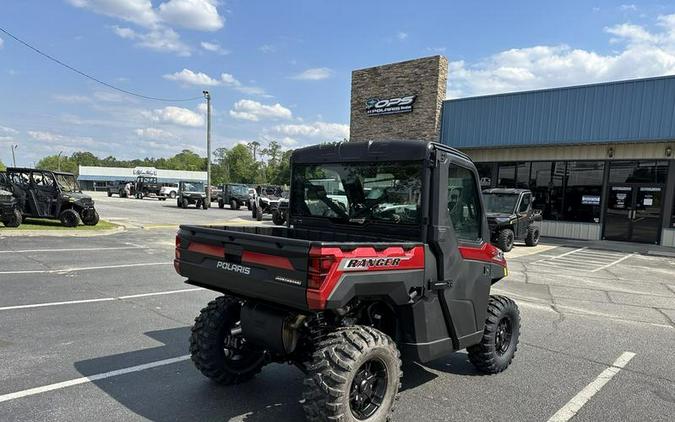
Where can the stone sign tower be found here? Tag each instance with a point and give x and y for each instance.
(399, 100)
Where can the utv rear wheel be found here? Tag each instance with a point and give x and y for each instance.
(221, 204)
(90, 218)
(184, 203)
(278, 218)
(15, 220)
(219, 355)
(69, 218)
(500, 338)
(354, 375)
(233, 205)
(258, 214)
(532, 238)
(505, 239)
(205, 204)
(109, 194)
(253, 212)
(172, 195)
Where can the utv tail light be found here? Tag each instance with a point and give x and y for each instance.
(319, 268)
(176, 261)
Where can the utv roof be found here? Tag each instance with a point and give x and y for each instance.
(28, 169)
(505, 191)
(398, 150)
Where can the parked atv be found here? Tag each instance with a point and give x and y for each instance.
(52, 195)
(10, 214)
(511, 217)
(236, 195)
(191, 193)
(343, 289)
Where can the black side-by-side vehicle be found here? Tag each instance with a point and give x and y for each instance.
(511, 217)
(386, 250)
(191, 193)
(10, 214)
(51, 195)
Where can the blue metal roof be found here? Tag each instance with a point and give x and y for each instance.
(624, 111)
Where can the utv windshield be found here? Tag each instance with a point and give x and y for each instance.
(240, 190)
(67, 182)
(500, 203)
(359, 192)
(193, 187)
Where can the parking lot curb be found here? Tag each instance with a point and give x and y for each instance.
(62, 233)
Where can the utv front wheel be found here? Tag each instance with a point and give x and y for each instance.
(90, 218)
(500, 337)
(505, 239)
(221, 204)
(532, 238)
(258, 214)
(354, 375)
(278, 218)
(219, 355)
(15, 220)
(69, 218)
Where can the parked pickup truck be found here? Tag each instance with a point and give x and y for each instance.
(169, 191)
(118, 188)
(377, 258)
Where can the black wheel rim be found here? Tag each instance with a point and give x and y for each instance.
(509, 241)
(503, 336)
(368, 389)
(238, 357)
(536, 236)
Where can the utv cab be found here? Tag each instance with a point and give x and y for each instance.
(192, 193)
(266, 201)
(511, 217)
(10, 214)
(236, 195)
(51, 195)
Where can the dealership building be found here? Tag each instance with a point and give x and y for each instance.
(598, 158)
(99, 178)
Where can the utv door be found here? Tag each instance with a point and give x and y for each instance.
(459, 234)
(44, 193)
(523, 213)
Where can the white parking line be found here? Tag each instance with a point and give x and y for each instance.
(70, 270)
(91, 378)
(572, 407)
(102, 299)
(613, 263)
(114, 248)
(561, 255)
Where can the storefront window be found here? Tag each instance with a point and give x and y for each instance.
(507, 175)
(583, 191)
(522, 175)
(638, 172)
(540, 178)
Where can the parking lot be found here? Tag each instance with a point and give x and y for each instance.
(96, 329)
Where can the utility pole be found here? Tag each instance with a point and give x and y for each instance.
(13, 156)
(208, 147)
(58, 160)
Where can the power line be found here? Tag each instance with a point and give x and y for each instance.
(71, 68)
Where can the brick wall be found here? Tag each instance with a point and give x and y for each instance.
(426, 78)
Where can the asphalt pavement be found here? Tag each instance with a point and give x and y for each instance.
(97, 329)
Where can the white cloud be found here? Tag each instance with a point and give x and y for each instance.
(628, 7)
(190, 77)
(319, 130)
(643, 53)
(201, 15)
(163, 40)
(177, 116)
(45, 136)
(436, 49)
(254, 111)
(154, 133)
(187, 76)
(139, 12)
(314, 74)
(214, 48)
(267, 48)
(402, 35)
(9, 130)
(72, 98)
(1, 42)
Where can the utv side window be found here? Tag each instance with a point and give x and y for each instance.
(464, 203)
(524, 203)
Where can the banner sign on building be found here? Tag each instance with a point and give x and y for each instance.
(378, 107)
(145, 171)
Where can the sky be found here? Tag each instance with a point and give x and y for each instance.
(280, 70)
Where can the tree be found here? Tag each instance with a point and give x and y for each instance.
(220, 169)
(253, 146)
(283, 173)
(2, 166)
(242, 167)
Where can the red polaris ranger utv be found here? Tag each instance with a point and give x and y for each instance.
(386, 249)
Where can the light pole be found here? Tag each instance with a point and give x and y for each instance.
(13, 156)
(58, 160)
(208, 147)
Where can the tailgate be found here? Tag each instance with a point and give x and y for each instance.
(240, 261)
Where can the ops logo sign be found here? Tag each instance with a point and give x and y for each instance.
(377, 107)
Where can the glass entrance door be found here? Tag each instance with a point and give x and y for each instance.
(634, 213)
